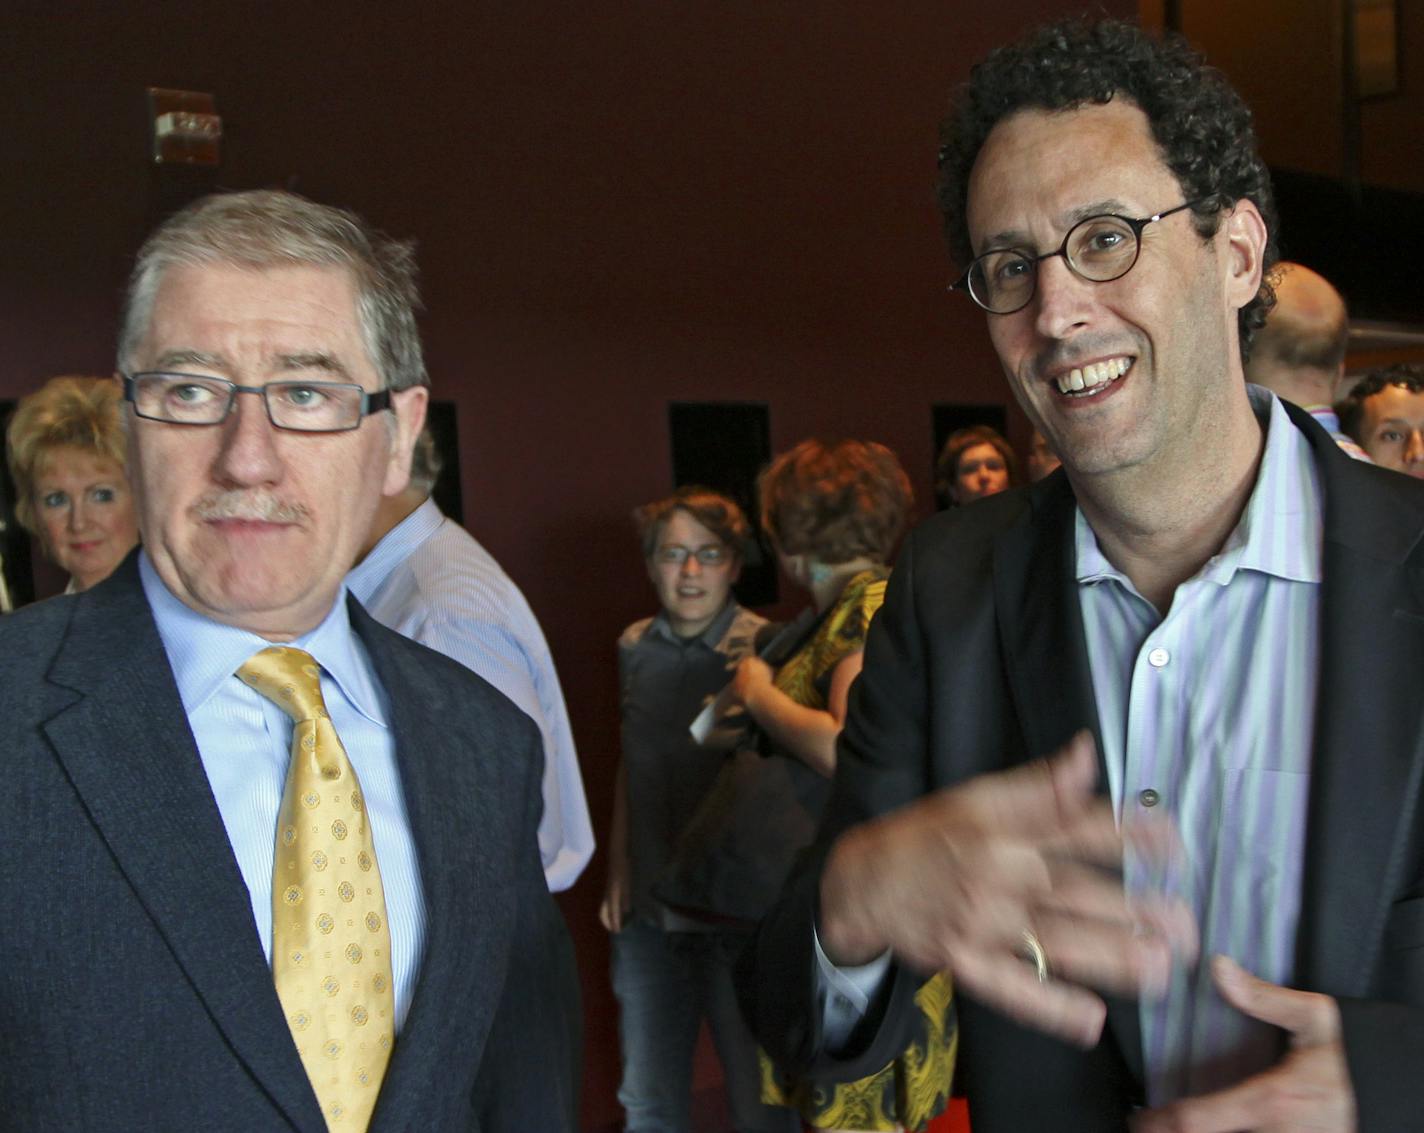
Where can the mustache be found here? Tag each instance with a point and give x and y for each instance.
(260, 506)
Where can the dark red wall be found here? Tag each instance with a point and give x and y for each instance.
(617, 204)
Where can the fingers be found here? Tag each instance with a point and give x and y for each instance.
(1302, 1013)
(1310, 1090)
(1244, 1106)
(1004, 982)
(1039, 799)
(1106, 957)
(1085, 895)
(612, 908)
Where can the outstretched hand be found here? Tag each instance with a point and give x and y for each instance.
(954, 881)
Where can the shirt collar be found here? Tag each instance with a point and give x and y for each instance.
(397, 545)
(204, 654)
(711, 637)
(1281, 531)
(1327, 417)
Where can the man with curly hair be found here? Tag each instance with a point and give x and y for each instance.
(1085, 769)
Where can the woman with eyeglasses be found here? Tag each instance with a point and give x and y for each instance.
(66, 449)
(835, 513)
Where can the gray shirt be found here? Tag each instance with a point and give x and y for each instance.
(665, 680)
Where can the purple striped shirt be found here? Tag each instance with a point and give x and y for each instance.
(1207, 715)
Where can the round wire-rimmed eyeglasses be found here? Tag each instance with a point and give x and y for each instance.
(1098, 248)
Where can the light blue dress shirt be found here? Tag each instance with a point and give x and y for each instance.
(429, 579)
(245, 744)
(1208, 715)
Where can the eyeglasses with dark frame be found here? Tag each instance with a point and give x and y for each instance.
(297, 406)
(714, 554)
(1098, 248)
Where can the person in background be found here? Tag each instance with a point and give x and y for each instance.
(670, 969)
(66, 449)
(1300, 353)
(425, 576)
(835, 513)
(1042, 460)
(1385, 414)
(974, 463)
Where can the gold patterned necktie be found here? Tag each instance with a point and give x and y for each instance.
(331, 949)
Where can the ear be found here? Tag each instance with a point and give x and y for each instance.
(1245, 234)
(408, 406)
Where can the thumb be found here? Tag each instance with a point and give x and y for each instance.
(1299, 1012)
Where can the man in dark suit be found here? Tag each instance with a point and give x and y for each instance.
(275, 387)
(1204, 563)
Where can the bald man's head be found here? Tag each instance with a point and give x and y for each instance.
(1300, 352)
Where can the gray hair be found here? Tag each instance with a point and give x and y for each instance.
(269, 228)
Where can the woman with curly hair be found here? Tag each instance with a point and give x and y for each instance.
(835, 512)
(66, 449)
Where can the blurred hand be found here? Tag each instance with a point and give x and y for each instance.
(952, 882)
(1309, 1090)
(617, 896)
(752, 675)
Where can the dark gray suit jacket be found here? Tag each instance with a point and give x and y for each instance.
(978, 661)
(134, 994)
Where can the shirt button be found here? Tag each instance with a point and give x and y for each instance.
(1158, 657)
(1149, 797)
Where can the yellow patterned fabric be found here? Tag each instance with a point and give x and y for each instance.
(331, 949)
(907, 1094)
(805, 675)
(913, 1089)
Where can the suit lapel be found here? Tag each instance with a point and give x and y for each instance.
(1041, 624)
(464, 840)
(1366, 773)
(1046, 658)
(123, 738)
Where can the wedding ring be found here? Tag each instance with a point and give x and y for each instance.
(1033, 947)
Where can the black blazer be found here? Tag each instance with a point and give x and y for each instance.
(978, 661)
(134, 994)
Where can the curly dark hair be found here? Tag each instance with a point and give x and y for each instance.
(1405, 375)
(1200, 124)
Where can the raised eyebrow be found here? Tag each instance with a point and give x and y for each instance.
(315, 360)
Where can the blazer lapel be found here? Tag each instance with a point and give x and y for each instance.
(123, 738)
(1046, 658)
(1041, 624)
(457, 797)
(1366, 773)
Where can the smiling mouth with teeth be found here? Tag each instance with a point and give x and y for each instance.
(1091, 378)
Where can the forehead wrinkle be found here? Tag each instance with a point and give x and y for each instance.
(200, 358)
